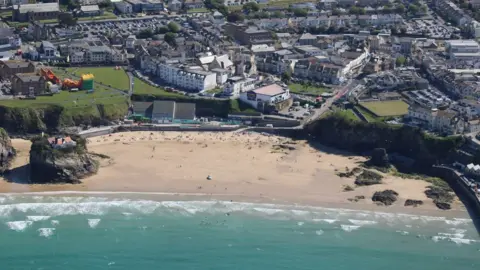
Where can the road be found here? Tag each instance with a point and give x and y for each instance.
(326, 106)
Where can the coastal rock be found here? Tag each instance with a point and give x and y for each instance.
(7, 152)
(443, 205)
(66, 164)
(379, 158)
(386, 197)
(413, 203)
(368, 178)
(441, 197)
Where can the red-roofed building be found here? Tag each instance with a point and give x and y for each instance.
(61, 142)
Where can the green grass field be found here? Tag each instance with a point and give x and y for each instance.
(106, 16)
(71, 99)
(309, 90)
(101, 95)
(107, 75)
(387, 108)
(197, 10)
(141, 87)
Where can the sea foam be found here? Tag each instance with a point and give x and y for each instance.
(19, 226)
(349, 228)
(37, 218)
(46, 232)
(93, 223)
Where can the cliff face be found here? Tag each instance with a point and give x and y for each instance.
(7, 152)
(356, 136)
(67, 165)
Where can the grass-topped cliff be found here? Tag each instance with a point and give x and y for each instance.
(60, 165)
(51, 117)
(341, 132)
(7, 152)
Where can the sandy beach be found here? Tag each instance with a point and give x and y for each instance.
(242, 167)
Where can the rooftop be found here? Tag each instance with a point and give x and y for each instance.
(89, 8)
(270, 90)
(41, 7)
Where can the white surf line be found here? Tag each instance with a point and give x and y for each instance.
(281, 206)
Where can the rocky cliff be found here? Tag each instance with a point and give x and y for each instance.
(356, 136)
(61, 165)
(7, 152)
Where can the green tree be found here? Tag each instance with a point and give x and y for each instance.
(66, 19)
(400, 9)
(161, 30)
(251, 7)
(336, 12)
(146, 33)
(173, 27)
(286, 77)
(278, 14)
(413, 8)
(403, 30)
(106, 4)
(235, 17)
(170, 39)
(300, 12)
(353, 10)
(400, 61)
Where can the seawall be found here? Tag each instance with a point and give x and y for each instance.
(464, 192)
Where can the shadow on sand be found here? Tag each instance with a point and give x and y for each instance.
(18, 175)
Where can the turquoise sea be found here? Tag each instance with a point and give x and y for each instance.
(86, 232)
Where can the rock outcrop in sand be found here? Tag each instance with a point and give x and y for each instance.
(7, 152)
(386, 197)
(66, 164)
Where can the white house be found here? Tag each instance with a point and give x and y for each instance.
(236, 85)
(130, 42)
(266, 95)
(473, 169)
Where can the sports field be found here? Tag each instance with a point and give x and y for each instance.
(386, 108)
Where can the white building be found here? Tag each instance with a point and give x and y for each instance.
(473, 169)
(463, 49)
(190, 79)
(130, 42)
(236, 85)
(265, 96)
(77, 57)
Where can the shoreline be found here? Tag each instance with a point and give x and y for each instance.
(245, 167)
(236, 198)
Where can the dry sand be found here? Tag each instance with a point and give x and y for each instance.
(243, 166)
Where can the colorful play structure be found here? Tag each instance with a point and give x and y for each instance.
(49, 76)
(85, 82)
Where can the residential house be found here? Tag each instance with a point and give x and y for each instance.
(248, 35)
(123, 7)
(192, 4)
(175, 5)
(29, 84)
(12, 67)
(236, 85)
(8, 39)
(307, 39)
(47, 50)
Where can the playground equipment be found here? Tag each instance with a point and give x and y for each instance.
(85, 82)
(49, 75)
